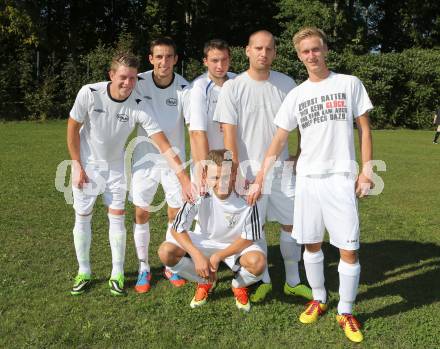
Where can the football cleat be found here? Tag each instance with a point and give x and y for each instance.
(175, 279)
(116, 284)
(299, 290)
(143, 284)
(241, 298)
(351, 327)
(201, 295)
(314, 310)
(82, 284)
(260, 294)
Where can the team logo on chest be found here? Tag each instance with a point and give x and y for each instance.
(232, 219)
(172, 102)
(122, 117)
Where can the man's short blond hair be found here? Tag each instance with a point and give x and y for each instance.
(307, 32)
(217, 156)
(126, 59)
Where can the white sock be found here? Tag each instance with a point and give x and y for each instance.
(266, 277)
(291, 252)
(170, 225)
(244, 278)
(186, 269)
(314, 265)
(348, 285)
(141, 242)
(117, 236)
(82, 238)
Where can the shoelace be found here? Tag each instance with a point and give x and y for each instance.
(241, 294)
(312, 305)
(352, 322)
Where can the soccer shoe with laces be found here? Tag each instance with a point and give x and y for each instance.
(314, 310)
(82, 284)
(260, 294)
(299, 290)
(201, 295)
(351, 327)
(116, 284)
(175, 279)
(143, 284)
(241, 298)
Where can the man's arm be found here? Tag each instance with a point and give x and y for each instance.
(275, 148)
(199, 151)
(175, 163)
(230, 140)
(363, 183)
(236, 247)
(73, 144)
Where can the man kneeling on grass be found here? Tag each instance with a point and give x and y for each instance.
(227, 230)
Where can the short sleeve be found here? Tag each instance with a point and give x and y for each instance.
(185, 217)
(198, 111)
(252, 227)
(360, 101)
(81, 106)
(286, 117)
(184, 103)
(147, 121)
(226, 110)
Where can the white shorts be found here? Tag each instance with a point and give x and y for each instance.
(278, 205)
(209, 247)
(107, 179)
(326, 201)
(145, 182)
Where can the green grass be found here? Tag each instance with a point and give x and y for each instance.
(399, 299)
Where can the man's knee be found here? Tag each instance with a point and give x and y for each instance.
(170, 254)
(349, 256)
(172, 213)
(254, 262)
(142, 216)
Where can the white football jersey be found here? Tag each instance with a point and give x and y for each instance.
(203, 101)
(107, 123)
(324, 112)
(251, 105)
(167, 105)
(221, 220)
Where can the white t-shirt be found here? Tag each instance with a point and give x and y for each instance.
(107, 123)
(251, 105)
(203, 101)
(325, 112)
(167, 105)
(221, 220)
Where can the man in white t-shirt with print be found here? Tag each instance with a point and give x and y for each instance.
(246, 108)
(205, 133)
(324, 108)
(101, 120)
(163, 91)
(227, 230)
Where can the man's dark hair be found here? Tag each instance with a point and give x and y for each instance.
(213, 44)
(165, 41)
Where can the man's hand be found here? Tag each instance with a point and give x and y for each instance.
(189, 190)
(214, 262)
(363, 185)
(201, 263)
(79, 176)
(255, 189)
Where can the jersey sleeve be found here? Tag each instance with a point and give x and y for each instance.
(226, 110)
(253, 229)
(360, 101)
(286, 117)
(185, 216)
(147, 121)
(81, 106)
(198, 111)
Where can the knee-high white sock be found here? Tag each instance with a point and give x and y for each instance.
(170, 225)
(244, 278)
(291, 252)
(141, 242)
(266, 277)
(186, 269)
(82, 238)
(117, 236)
(348, 285)
(314, 265)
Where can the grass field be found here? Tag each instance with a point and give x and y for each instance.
(399, 299)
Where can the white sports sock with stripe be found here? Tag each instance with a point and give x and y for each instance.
(291, 252)
(314, 265)
(117, 236)
(244, 278)
(82, 238)
(348, 285)
(186, 269)
(141, 242)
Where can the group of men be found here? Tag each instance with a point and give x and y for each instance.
(239, 126)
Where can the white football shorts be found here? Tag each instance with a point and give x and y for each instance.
(209, 247)
(326, 202)
(104, 178)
